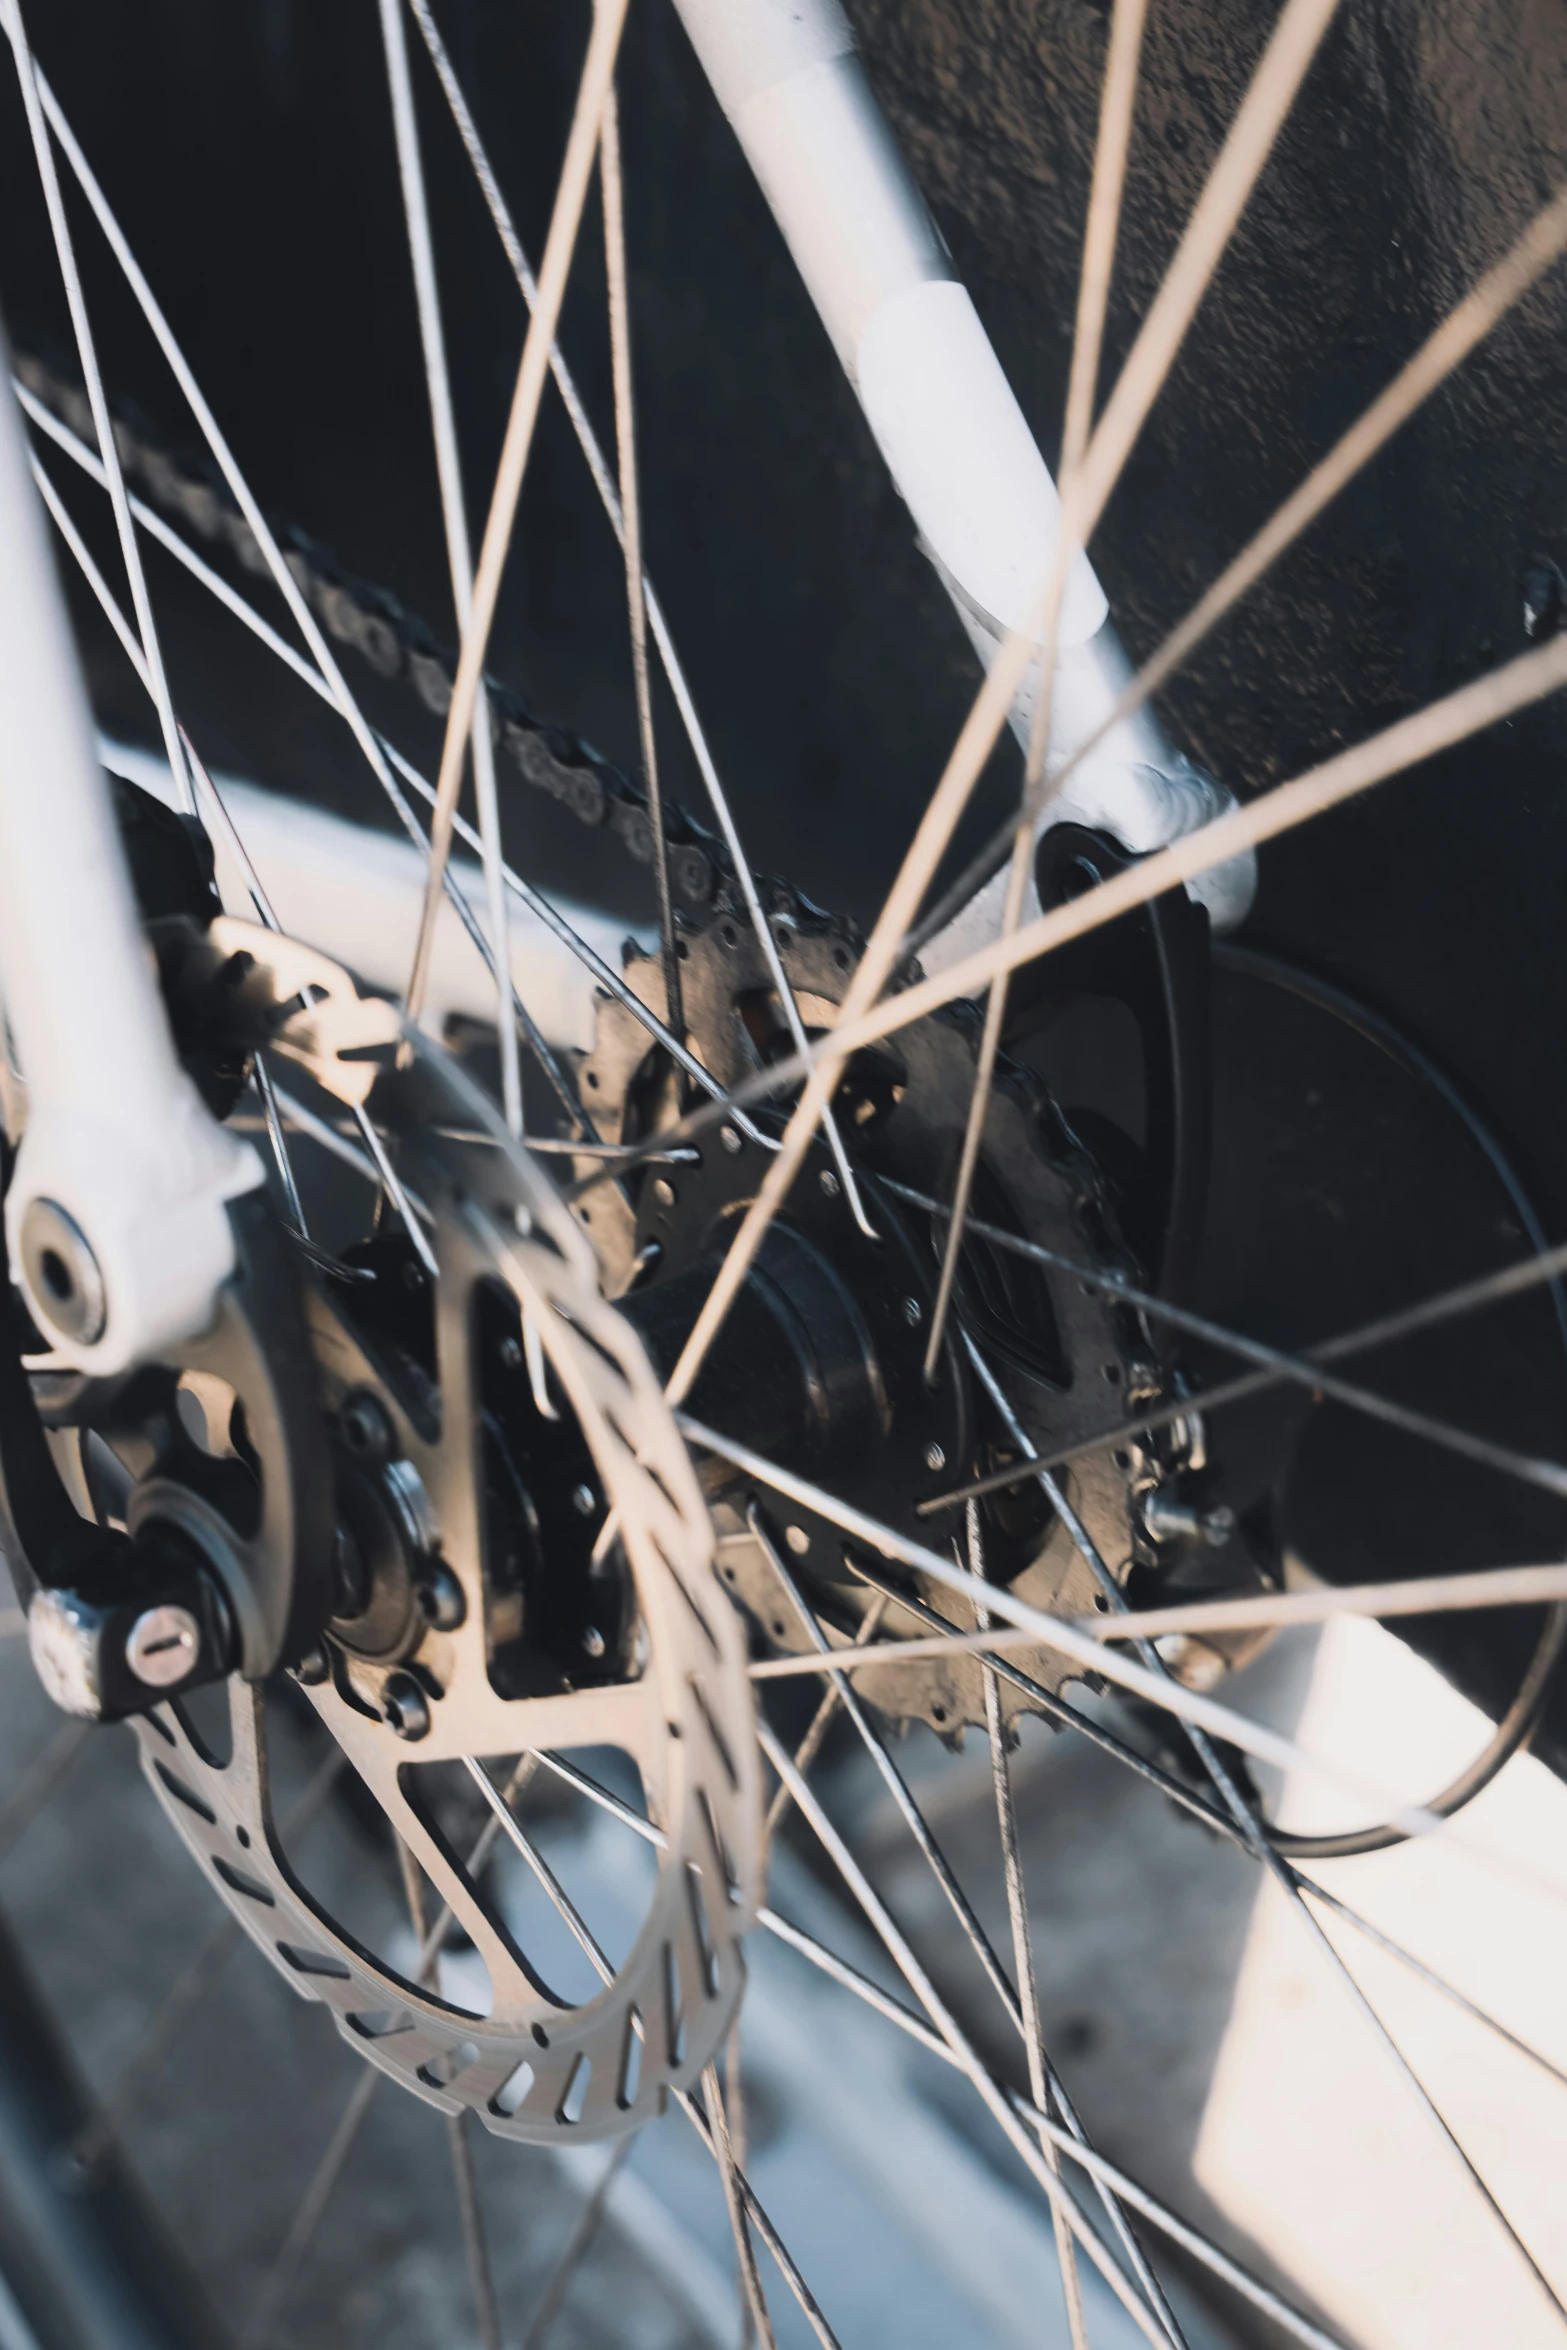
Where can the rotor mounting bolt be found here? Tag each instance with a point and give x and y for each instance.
(797, 1539)
(405, 1708)
(163, 1645)
(729, 1139)
(584, 1500)
(62, 1272)
(663, 1191)
(935, 1458)
(442, 1600)
(312, 1668)
(829, 1183)
(510, 1351)
(365, 1428)
(593, 1642)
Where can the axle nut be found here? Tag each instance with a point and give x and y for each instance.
(405, 1707)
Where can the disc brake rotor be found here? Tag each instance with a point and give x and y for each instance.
(439, 1648)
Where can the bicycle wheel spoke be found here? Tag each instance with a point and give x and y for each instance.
(38, 1782)
(1206, 1713)
(154, 675)
(1430, 1595)
(1023, 1947)
(755, 2303)
(1296, 36)
(448, 468)
(1254, 1831)
(578, 2244)
(480, 2276)
(576, 1925)
(387, 758)
(276, 2285)
(1444, 350)
(560, 244)
(1024, 2141)
(821, 1722)
(1122, 58)
(613, 197)
(1097, 2166)
(962, 1909)
(1305, 1370)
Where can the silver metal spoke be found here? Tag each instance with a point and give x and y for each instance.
(1254, 1831)
(673, 670)
(154, 675)
(1271, 92)
(583, 1936)
(607, 978)
(1024, 2141)
(454, 514)
(1445, 349)
(481, 2282)
(613, 196)
(195, 774)
(189, 1988)
(578, 2245)
(755, 2302)
(1500, 694)
(39, 1781)
(821, 1722)
(1023, 1950)
(388, 758)
(1306, 1369)
(962, 1909)
(278, 2282)
(570, 195)
(1159, 1689)
(1105, 2174)
(1485, 1587)
(1122, 58)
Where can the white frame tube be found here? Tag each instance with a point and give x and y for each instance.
(116, 1135)
(943, 414)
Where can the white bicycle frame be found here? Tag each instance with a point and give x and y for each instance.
(115, 1218)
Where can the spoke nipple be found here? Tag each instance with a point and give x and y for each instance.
(935, 1458)
(730, 1139)
(829, 1183)
(404, 1707)
(162, 1646)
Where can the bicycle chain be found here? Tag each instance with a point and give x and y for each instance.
(395, 643)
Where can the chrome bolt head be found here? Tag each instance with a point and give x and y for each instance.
(829, 1183)
(935, 1458)
(442, 1600)
(913, 1312)
(584, 1500)
(312, 1669)
(405, 1708)
(365, 1428)
(62, 1272)
(163, 1645)
(593, 1642)
(730, 1139)
(663, 1191)
(798, 1540)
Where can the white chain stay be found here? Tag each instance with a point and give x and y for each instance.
(532, 2068)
